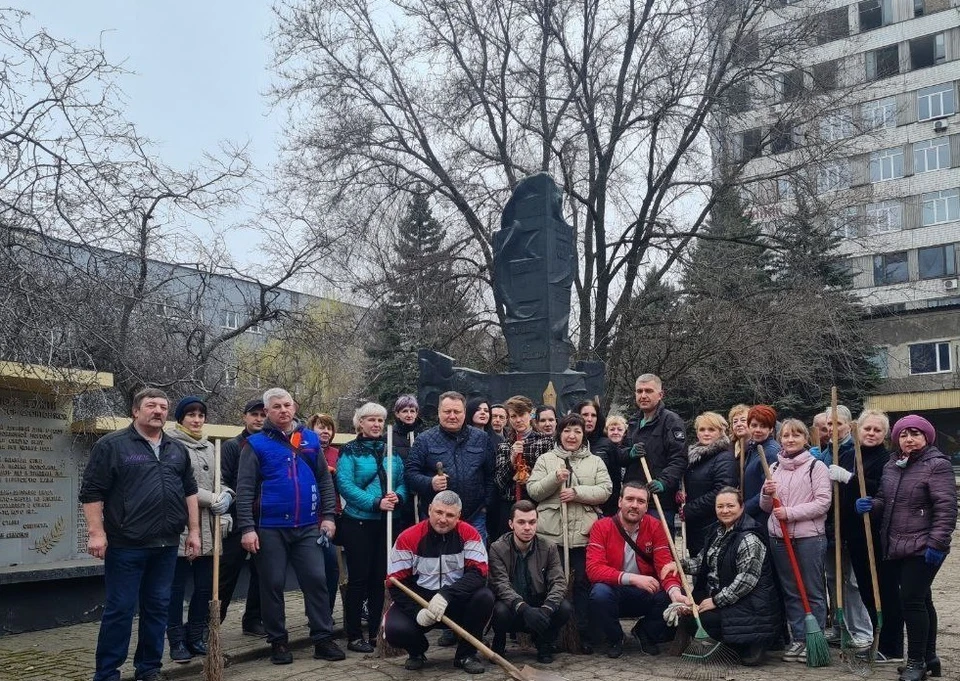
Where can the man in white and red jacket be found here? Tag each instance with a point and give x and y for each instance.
(632, 573)
(444, 561)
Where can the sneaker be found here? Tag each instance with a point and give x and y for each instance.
(447, 638)
(360, 645)
(615, 650)
(647, 644)
(415, 662)
(328, 650)
(794, 651)
(179, 652)
(254, 628)
(280, 653)
(470, 664)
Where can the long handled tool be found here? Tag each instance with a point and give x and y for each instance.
(818, 650)
(704, 659)
(871, 556)
(683, 524)
(528, 673)
(384, 649)
(571, 635)
(838, 546)
(213, 666)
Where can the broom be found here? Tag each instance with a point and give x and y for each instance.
(213, 665)
(704, 659)
(838, 547)
(384, 649)
(868, 531)
(818, 651)
(570, 634)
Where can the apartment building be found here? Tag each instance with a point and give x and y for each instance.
(882, 78)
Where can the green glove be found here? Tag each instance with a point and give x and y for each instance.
(637, 451)
(655, 486)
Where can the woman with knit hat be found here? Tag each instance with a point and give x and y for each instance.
(917, 509)
(185, 642)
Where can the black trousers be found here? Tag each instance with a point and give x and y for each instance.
(912, 578)
(508, 621)
(891, 635)
(232, 561)
(365, 546)
(581, 591)
(402, 631)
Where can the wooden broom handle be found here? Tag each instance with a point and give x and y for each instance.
(867, 527)
(217, 534)
(838, 562)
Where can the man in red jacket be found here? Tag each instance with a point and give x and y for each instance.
(632, 572)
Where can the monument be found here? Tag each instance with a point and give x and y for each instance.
(534, 261)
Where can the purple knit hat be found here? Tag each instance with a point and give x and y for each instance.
(914, 421)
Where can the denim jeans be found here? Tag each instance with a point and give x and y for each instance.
(856, 617)
(609, 603)
(810, 553)
(132, 575)
(479, 522)
(202, 570)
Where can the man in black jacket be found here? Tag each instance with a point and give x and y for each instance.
(234, 557)
(138, 493)
(661, 434)
(527, 578)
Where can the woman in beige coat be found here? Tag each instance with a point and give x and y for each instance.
(569, 474)
(185, 642)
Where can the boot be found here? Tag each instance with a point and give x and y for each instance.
(914, 670)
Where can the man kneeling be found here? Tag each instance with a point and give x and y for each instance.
(527, 579)
(444, 561)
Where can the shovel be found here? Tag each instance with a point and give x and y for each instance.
(528, 673)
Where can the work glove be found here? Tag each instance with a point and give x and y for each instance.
(323, 541)
(655, 486)
(437, 606)
(535, 619)
(222, 503)
(671, 615)
(934, 557)
(425, 618)
(840, 474)
(637, 451)
(863, 505)
(226, 525)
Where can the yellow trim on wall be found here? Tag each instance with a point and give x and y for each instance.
(51, 380)
(925, 401)
(107, 424)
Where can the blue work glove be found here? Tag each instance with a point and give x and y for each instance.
(655, 486)
(934, 557)
(863, 505)
(637, 451)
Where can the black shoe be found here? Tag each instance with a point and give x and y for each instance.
(152, 675)
(180, 653)
(328, 650)
(198, 648)
(415, 662)
(933, 667)
(360, 645)
(254, 629)
(280, 653)
(647, 644)
(545, 654)
(752, 655)
(447, 638)
(615, 650)
(470, 664)
(915, 670)
(585, 648)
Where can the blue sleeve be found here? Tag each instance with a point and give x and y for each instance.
(351, 492)
(399, 483)
(490, 469)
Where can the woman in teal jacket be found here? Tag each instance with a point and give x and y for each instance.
(362, 479)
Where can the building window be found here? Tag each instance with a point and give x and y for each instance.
(942, 206)
(833, 25)
(833, 175)
(881, 361)
(884, 217)
(936, 262)
(883, 63)
(782, 138)
(935, 102)
(230, 378)
(256, 329)
(785, 188)
(751, 143)
(927, 51)
(874, 14)
(890, 268)
(836, 125)
(738, 98)
(825, 76)
(930, 358)
(931, 155)
(846, 225)
(886, 164)
(880, 113)
(229, 319)
(746, 49)
(918, 8)
(791, 85)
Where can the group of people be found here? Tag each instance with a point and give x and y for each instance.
(521, 518)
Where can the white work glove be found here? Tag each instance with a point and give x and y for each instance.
(226, 525)
(425, 618)
(437, 606)
(840, 474)
(671, 615)
(222, 504)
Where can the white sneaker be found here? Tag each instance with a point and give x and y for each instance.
(794, 652)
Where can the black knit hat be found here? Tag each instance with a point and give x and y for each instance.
(183, 406)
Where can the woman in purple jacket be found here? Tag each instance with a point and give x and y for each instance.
(917, 505)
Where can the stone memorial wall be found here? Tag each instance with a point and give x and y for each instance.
(41, 521)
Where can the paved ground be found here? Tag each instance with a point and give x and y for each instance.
(67, 654)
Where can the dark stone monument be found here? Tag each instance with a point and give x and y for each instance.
(534, 265)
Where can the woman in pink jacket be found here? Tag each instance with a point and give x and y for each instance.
(802, 484)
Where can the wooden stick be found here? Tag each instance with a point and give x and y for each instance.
(868, 530)
(838, 562)
(216, 525)
(389, 488)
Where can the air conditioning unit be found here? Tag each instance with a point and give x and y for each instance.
(939, 126)
(949, 284)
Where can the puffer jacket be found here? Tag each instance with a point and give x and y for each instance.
(590, 479)
(803, 485)
(202, 459)
(362, 477)
(710, 469)
(665, 441)
(917, 505)
(754, 477)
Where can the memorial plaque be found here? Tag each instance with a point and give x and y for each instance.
(39, 482)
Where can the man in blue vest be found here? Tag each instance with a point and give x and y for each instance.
(284, 475)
